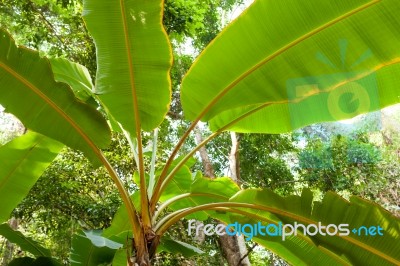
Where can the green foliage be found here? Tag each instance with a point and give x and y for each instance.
(185, 17)
(342, 164)
(75, 75)
(72, 194)
(125, 71)
(199, 20)
(63, 117)
(54, 27)
(89, 248)
(235, 84)
(263, 162)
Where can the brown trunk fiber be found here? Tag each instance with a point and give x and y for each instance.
(142, 253)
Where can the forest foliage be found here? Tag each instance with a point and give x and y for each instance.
(109, 105)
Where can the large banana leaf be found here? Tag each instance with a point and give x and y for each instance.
(313, 61)
(134, 58)
(120, 258)
(29, 91)
(89, 248)
(25, 243)
(23, 160)
(350, 249)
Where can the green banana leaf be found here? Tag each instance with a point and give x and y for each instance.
(362, 246)
(25, 243)
(75, 75)
(173, 246)
(29, 92)
(90, 248)
(23, 160)
(120, 258)
(283, 65)
(78, 78)
(134, 58)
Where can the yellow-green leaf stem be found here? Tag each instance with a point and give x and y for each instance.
(167, 203)
(165, 179)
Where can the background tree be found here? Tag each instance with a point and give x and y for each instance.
(363, 162)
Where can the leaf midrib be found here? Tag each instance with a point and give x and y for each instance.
(130, 64)
(144, 197)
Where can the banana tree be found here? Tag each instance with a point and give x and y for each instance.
(281, 65)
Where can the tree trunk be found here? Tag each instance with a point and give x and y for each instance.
(233, 247)
(142, 256)
(233, 158)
